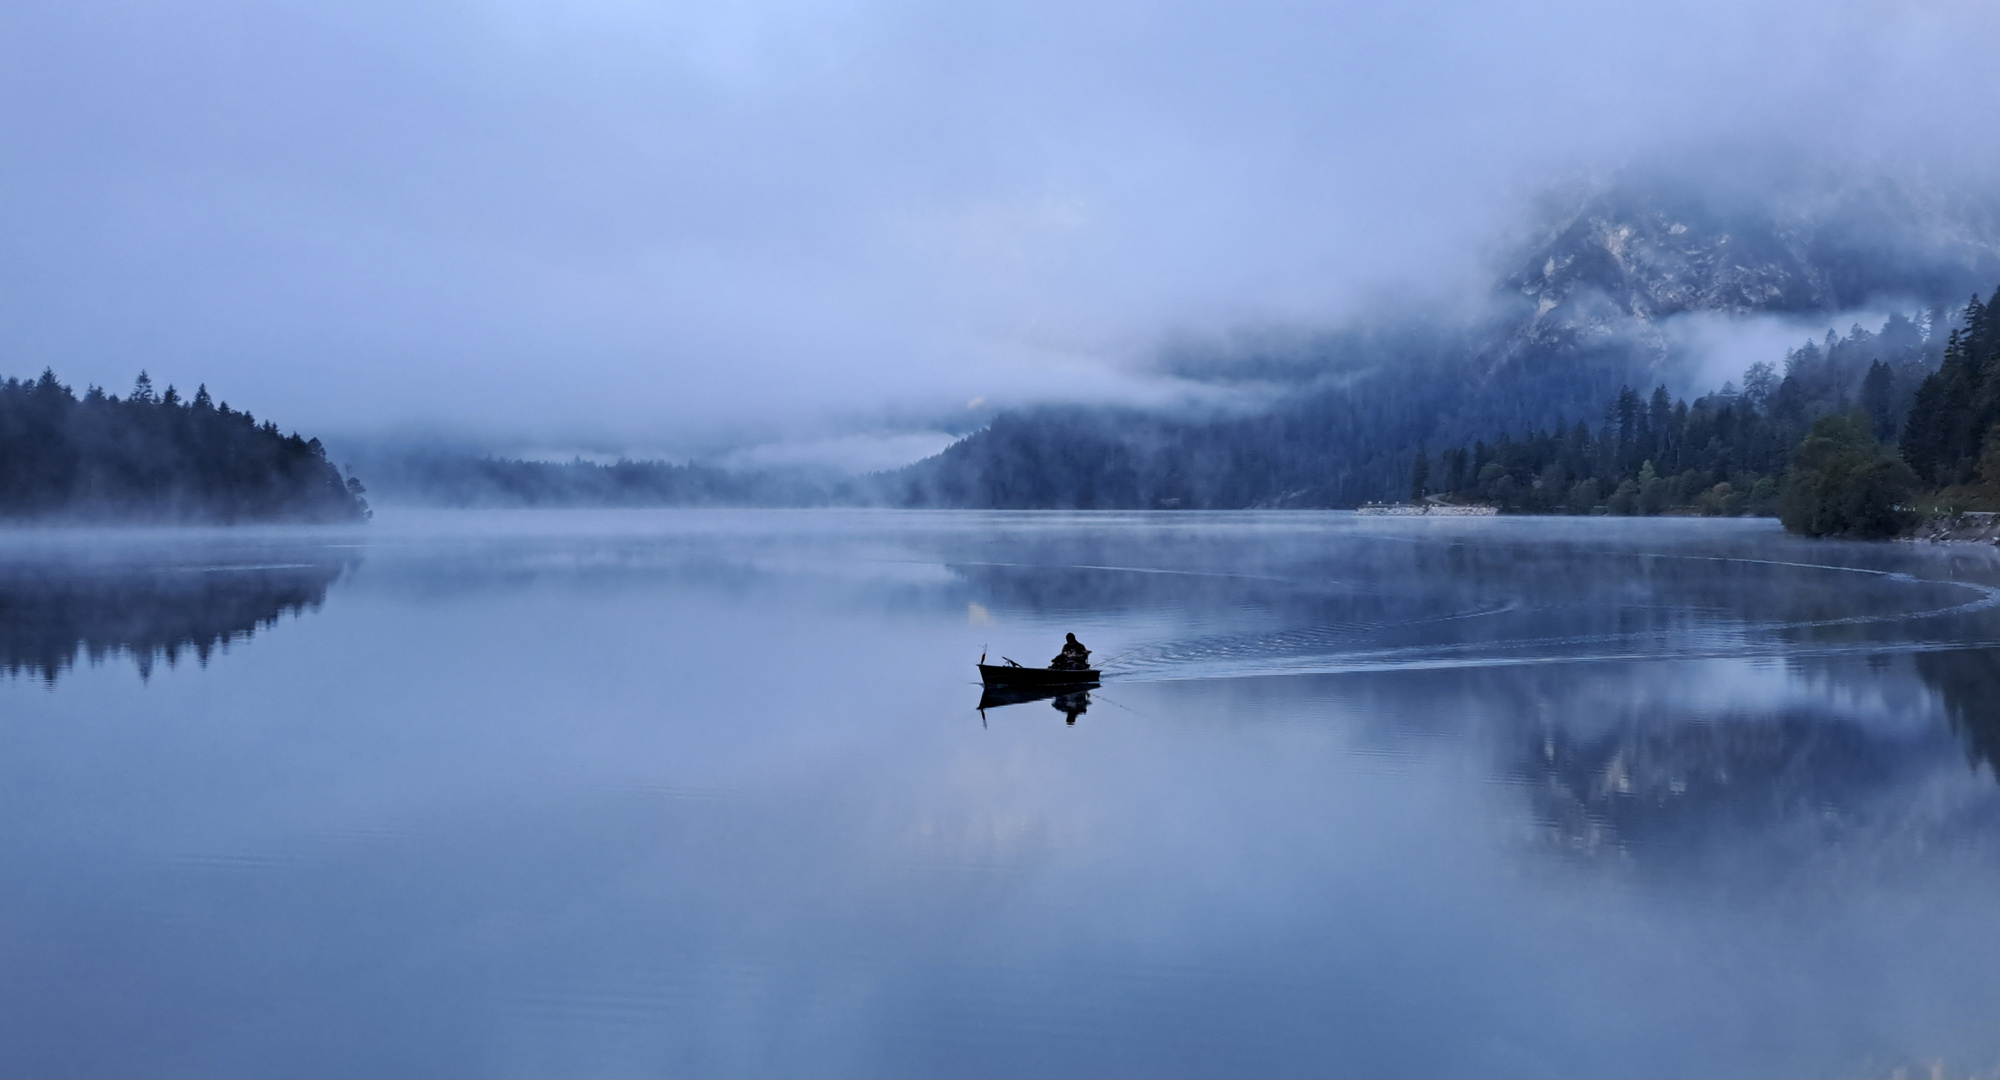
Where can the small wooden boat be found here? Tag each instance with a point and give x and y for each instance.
(1016, 675)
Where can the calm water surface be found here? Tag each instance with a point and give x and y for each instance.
(638, 793)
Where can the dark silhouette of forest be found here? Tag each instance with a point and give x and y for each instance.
(1950, 437)
(1854, 433)
(1339, 442)
(1847, 442)
(157, 457)
(1622, 452)
(1537, 372)
(53, 615)
(1725, 453)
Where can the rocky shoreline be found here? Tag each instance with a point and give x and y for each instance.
(1968, 527)
(1425, 510)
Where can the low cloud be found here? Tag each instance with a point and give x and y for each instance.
(1717, 347)
(846, 455)
(683, 227)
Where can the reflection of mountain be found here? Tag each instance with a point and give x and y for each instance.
(1664, 786)
(49, 613)
(1826, 764)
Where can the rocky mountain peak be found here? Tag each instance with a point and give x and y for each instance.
(1617, 261)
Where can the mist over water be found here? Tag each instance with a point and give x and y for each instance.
(707, 792)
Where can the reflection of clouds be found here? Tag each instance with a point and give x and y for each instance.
(1013, 811)
(985, 840)
(1708, 689)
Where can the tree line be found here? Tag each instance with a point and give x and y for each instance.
(1950, 432)
(1858, 432)
(1393, 397)
(153, 456)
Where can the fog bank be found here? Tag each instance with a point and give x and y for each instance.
(681, 230)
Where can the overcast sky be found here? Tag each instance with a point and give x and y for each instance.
(650, 225)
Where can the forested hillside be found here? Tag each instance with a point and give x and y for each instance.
(157, 457)
(1951, 424)
(1724, 453)
(1588, 308)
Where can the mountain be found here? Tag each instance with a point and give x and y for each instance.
(1617, 263)
(1586, 304)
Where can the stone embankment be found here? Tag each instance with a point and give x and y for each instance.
(1425, 510)
(1970, 527)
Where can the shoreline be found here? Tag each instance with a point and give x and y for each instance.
(1965, 527)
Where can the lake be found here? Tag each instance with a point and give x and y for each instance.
(709, 793)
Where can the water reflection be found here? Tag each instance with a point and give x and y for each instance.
(635, 794)
(1382, 600)
(1071, 701)
(1719, 696)
(1681, 786)
(55, 612)
(1967, 681)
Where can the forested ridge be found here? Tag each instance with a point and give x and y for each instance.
(1607, 293)
(1726, 452)
(1850, 436)
(1851, 433)
(1556, 436)
(154, 456)
(1339, 442)
(1856, 437)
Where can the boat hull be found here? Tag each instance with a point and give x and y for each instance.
(1005, 675)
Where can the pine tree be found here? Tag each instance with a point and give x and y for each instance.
(1878, 400)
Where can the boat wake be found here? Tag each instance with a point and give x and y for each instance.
(1516, 633)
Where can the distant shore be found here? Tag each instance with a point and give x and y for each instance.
(1965, 527)
(1426, 510)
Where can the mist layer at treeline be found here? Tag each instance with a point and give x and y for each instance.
(677, 234)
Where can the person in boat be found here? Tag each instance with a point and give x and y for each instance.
(1073, 657)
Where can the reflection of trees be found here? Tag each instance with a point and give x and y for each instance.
(1968, 681)
(51, 613)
